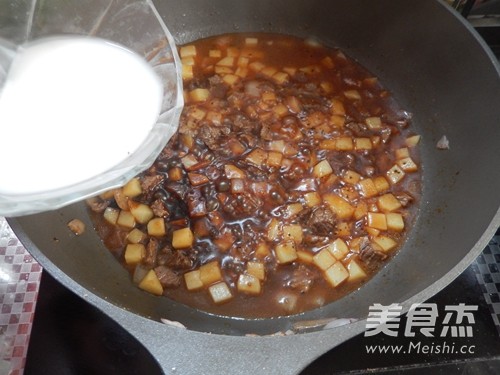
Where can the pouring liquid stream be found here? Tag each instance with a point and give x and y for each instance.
(70, 109)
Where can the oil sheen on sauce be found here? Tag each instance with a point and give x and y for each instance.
(72, 108)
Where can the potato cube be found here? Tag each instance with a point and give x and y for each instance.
(230, 79)
(273, 229)
(361, 210)
(132, 188)
(336, 274)
(262, 250)
(134, 252)
(373, 122)
(290, 70)
(305, 257)
(242, 61)
(344, 144)
(412, 141)
(395, 174)
(339, 206)
(312, 199)
(187, 51)
(381, 184)
(251, 41)
(232, 171)
(156, 227)
(268, 71)
(388, 203)
(343, 229)
(328, 62)
(136, 236)
(372, 231)
(385, 243)
(125, 219)
(292, 209)
(120, 199)
(141, 212)
(356, 272)
(377, 220)
(338, 107)
(337, 121)
(367, 188)
(274, 159)
(256, 66)
(241, 72)
(322, 169)
(224, 241)
(351, 177)
(395, 221)
(326, 86)
(226, 61)
(324, 259)
(328, 144)
(199, 95)
(151, 284)
(407, 165)
(311, 69)
(352, 94)
(338, 249)
(280, 110)
(193, 280)
(402, 153)
(187, 72)
(215, 53)
(362, 144)
(256, 269)
(111, 215)
(292, 232)
(280, 77)
(210, 273)
(285, 252)
(249, 284)
(175, 174)
(182, 238)
(257, 157)
(220, 292)
(223, 70)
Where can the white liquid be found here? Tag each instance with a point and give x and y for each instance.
(71, 109)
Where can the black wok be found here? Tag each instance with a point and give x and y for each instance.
(437, 67)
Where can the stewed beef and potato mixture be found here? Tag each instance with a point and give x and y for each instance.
(293, 178)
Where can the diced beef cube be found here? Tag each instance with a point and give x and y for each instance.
(159, 208)
(167, 277)
(150, 183)
(97, 204)
(368, 254)
(151, 252)
(320, 220)
(302, 279)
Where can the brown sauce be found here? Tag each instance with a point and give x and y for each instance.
(295, 175)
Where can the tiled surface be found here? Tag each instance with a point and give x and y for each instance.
(19, 283)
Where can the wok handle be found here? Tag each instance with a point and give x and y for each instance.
(185, 352)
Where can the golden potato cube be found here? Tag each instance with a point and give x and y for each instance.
(187, 51)
(328, 144)
(388, 203)
(402, 153)
(328, 62)
(230, 79)
(241, 72)
(120, 199)
(210, 273)
(292, 209)
(248, 284)
(274, 158)
(412, 141)
(222, 70)
(280, 110)
(256, 269)
(232, 52)
(156, 227)
(141, 212)
(182, 238)
(226, 61)
(356, 272)
(268, 96)
(251, 41)
(215, 53)
(256, 66)
(132, 188)
(257, 157)
(280, 77)
(326, 86)
(343, 229)
(187, 72)
(126, 219)
(111, 214)
(220, 292)
(268, 71)
(338, 107)
(336, 274)
(351, 177)
(407, 165)
(339, 206)
(377, 220)
(273, 229)
(242, 61)
(324, 259)
(338, 249)
(372, 231)
(361, 210)
(362, 144)
(199, 95)
(262, 250)
(381, 184)
(292, 232)
(285, 252)
(367, 188)
(151, 284)
(344, 144)
(290, 70)
(232, 171)
(352, 94)
(322, 169)
(312, 199)
(175, 174)
(385, 243)
(373, 122)
(136, 236)
(305, 256)
(193, 280)
(395, 174)
(311, 69)
(337, 121)
(198, 114)
(395, 221)
(134, 252)
(108, 194)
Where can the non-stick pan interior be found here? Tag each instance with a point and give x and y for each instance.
(434, 66)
